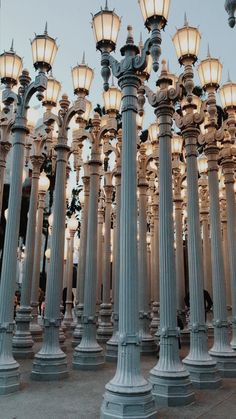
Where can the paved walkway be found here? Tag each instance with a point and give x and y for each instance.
(80, 396)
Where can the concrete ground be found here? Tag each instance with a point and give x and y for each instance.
(80, 396)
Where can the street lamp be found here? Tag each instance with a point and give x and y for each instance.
(122, 393)
(210, 71)
(9, 76)
(43, 186)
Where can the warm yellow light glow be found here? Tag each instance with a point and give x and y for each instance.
(176, 144)
(187, 42)
(10, 66)
(44, 182)
(106, 26)
(228, 95)
(153, 132)
(44, 49)
(202, 164)
(210, 71)
(112, 99)
(82, 76)
(52, 92)
(154, 8)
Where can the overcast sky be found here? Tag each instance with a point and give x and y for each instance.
(70, 22)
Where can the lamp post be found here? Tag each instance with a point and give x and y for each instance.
(104, 331)
(210, 71)
(50, 362)
(84, 199)
(100, 246)
(35, 328)
(6, 122)
(72, 226)
(128, 389)
(11, 65)
(227, 154)
(148, 345)
(178, 168)
(202, 368)
(230, 7)
(22, 340)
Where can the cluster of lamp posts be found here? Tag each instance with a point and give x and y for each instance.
(171, 381)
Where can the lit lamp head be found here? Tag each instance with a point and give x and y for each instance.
(155, 12)
(82, 76)
(44, 183)
(51, 93)
(176, 144)
(228, 96)
(112, 100)
(73, 224)
(10, 67)
(210, 71)
(202, 164)
(106, 26)
(44, 50)
(153, 132)
(187, 42)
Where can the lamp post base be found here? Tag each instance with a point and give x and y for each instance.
(225, 363)
(88, 358)
(22, 342)
(49, 366)
(172, 388)
(128, 406)
(36, 332)
(77, 335)
(203, 374)
(9, 376)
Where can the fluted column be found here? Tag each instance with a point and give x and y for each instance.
(224, 225)
(77, 335)
(202, 368)
(179, 253)
(100, 249)
(50, 362)
(148, 345)
(206, 248)
(155, 266)
(68, 318)
(228, 165)
(9, 375)
(112, 344)
(170, 379)
(104, 331)
(22, 341)
(89, 354)
(5, 147)
(221, 350)
(35, 328)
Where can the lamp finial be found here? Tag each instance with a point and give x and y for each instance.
(130, 39)
(46, 28)
(83, 58)
(229, 78)
(208, 51)
(185, 19)
(106, 5)
(12, 45)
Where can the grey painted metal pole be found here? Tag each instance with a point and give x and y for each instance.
(104, 331)
(206, 247)
(68, 317)
(202, 368)
(155, 266)
(77, 335)
(225, 246)
(89, 354)
(179, 253)
(100, 248)
(5, 147)
(35, 328)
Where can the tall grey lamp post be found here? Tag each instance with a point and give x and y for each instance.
(100, 245)
(148, 346)
(227, 155)
(202, 368)
(72, 225)
(35, 328)
(230, 7)
(22, 340)
(89, 354)
(84, 199)
(128, 390)
(50, 362)
(6, 122)
(170, 379)
(11, 66)
(104, 331)
(210, 71)
(112, 344)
